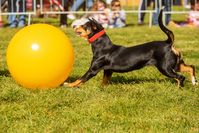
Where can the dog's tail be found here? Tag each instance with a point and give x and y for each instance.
(165, 30)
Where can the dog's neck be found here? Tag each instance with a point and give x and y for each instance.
(96, 36)
(101, 43)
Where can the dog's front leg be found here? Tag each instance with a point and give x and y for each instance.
(95, 67)
(88, 75)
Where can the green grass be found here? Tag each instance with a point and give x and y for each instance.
(138, 101)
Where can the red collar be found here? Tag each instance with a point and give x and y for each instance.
(96, 36)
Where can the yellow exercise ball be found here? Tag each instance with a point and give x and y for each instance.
(40, 56)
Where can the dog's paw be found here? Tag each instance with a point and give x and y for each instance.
(194, 81)
(65, 84)
(73, 84)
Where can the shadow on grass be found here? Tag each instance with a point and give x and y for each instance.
(5, 73)
(127, 25)
(124, 80)
(121, 79)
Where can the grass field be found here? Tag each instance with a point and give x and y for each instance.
(138, 101)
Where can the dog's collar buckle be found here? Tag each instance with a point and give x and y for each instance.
(96, 36)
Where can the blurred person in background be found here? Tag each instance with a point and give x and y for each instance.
(103, 16)
(117, 16)
(16, 6)
(143, 6)
(63, 17)
(3, 5)
(77, 5)
(167, 7)
(157, 4)
(192, 17)
(1, 21)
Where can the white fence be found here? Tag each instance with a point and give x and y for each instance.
(56, 7)
(18, 7)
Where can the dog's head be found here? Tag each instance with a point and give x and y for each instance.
(86, 27)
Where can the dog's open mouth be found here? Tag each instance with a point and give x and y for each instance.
(78, 33)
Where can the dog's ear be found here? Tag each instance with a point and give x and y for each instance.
(98, 25)
(95, 25)
(92, 24)
(88, 27)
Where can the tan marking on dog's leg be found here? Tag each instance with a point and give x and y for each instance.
(189, 69)
(175, 51)
(106, 79)
(178, 82)
(73, 84)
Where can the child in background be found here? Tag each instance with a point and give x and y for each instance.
(193, 18)
(1, 21)
(117, 16)
(103, 17)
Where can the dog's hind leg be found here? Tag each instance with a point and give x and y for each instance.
(182, 67)
(107, 77)
(169, 72)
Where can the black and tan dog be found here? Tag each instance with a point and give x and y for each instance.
(113, 58)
